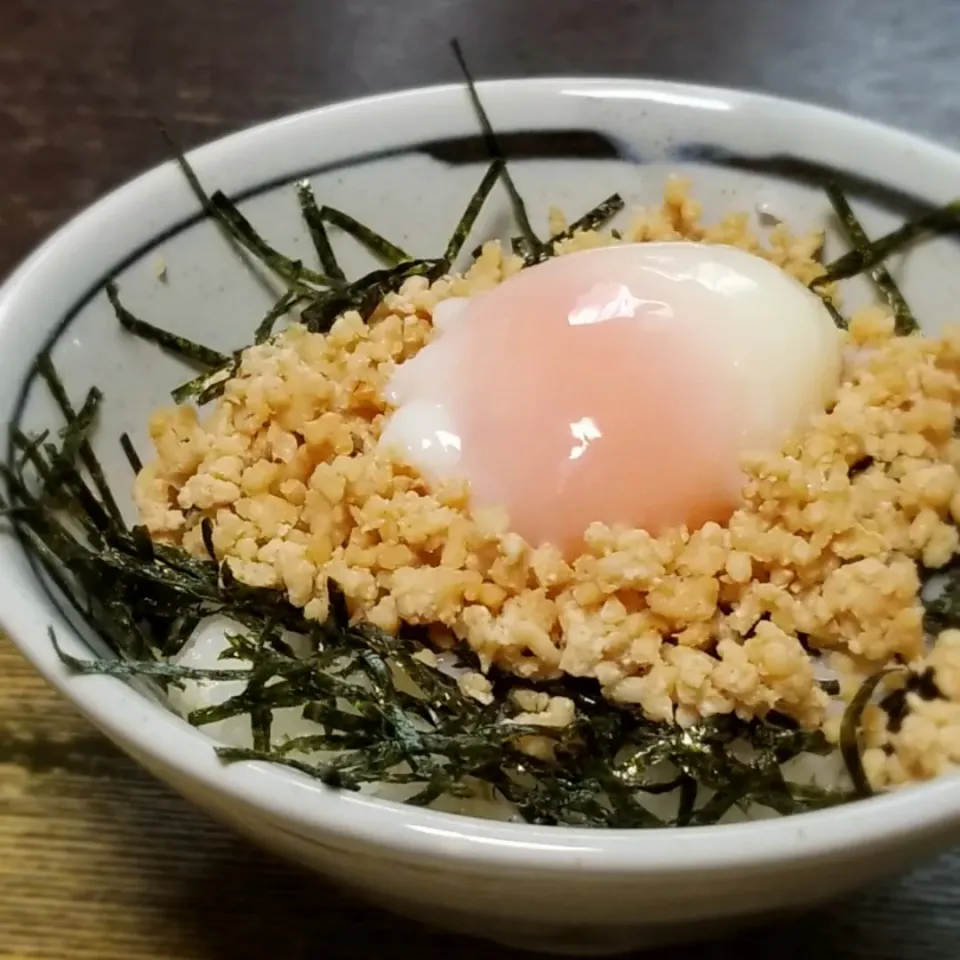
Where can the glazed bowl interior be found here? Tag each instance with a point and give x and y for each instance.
(406, 164)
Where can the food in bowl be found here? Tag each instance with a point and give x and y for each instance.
(389, 625)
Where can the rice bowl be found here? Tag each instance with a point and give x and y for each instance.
(677, 856)
(268, 476)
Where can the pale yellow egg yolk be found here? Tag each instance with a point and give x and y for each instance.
(621, 385)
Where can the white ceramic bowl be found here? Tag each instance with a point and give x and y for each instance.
(406, 163)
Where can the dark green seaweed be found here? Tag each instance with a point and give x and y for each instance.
(905, 322)
(318, 231)
(372, 240)
(838, 318)
(593, 219)
(45, 368)
(281, 308)
(533, 247)
(850, 731)
(469, 218)
(942, 610)
(130, 452)
(365, 294)
(207, 386)
(943, 220)
(293, 272)
(181, 346)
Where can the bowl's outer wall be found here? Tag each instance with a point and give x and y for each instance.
(588, 913)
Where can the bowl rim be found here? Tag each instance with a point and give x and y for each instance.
(319, 814)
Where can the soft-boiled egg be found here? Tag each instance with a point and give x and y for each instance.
(622, 384)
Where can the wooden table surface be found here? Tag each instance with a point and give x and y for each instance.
(97, 860)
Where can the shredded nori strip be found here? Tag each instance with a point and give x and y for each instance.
(318, 231)
(150, 668)
(372, 240)
(533, 247)
(830, 687)
(130, 452)
(942, 610)
(838, 318)
(593, 219)
(896, 705)
(282, 307)
(206, 532)
(29, 446)
(905, 322)
(365, 294)
(239, 231)
(294, 272)
(850, 731)
(45, 368)
(181, 346)
(944, 219)
(205, 387)
(469, 218)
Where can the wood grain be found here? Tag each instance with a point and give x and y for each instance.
(97, 860)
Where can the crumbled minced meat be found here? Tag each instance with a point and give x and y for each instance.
(821, 558)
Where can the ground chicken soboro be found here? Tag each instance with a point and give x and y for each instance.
(825, 547)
